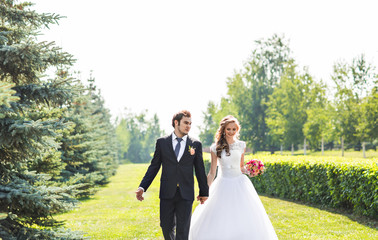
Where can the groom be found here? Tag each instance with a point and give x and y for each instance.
(178, 154)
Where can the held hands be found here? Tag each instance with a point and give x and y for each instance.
(202, 199)
(139, 194)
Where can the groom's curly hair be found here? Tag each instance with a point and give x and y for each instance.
(178, 116)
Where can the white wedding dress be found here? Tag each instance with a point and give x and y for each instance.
(233, 210)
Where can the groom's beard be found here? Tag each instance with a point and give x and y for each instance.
(183, 133)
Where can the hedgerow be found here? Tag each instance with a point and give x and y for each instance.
(350, 184)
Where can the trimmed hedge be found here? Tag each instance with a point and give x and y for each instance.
(350, 184)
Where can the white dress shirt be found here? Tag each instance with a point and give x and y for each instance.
(182, 147)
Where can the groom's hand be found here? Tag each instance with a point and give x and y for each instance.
(139, 194)
(202, 199)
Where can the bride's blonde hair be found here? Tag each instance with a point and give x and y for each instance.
(220, 139)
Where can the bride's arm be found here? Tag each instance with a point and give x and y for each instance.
(213, 169)
(243, 170)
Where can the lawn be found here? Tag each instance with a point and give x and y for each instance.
(114, 213)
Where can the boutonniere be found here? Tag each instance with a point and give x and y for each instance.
(192, 150)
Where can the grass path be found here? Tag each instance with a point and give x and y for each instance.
(114, 213)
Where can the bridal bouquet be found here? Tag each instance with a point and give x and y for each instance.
(254, 168)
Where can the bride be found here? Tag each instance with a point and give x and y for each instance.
(233, 210)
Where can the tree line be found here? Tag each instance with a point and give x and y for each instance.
(136, 136)
(57, 143)
(281, 105)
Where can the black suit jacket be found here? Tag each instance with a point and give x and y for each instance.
(174, 172)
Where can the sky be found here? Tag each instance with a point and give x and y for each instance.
(164, 56)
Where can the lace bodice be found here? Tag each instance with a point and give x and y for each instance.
(230, 165)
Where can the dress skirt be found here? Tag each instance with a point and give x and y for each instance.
(233, 211)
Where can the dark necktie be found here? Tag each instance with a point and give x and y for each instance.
(178, 145)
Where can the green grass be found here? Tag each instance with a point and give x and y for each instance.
(114, 213)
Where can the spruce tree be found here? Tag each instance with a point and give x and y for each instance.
(6, 94)
(89, 149)
(30, 127)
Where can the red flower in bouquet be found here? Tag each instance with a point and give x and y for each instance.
(254, 168)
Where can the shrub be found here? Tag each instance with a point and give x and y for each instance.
(350, 184)
(329, 181)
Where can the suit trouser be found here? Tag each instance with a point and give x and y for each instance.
(175, 213)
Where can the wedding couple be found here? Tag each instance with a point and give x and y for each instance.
(230, 208)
